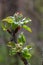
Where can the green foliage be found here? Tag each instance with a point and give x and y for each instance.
(14, 48)
(26, 52)
(27, 28)
(8, 19)
(19, 48)
(11, 23)
(21, 39)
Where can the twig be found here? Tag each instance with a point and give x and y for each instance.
(19, 54)
(22, 58)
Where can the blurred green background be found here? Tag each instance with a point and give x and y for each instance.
(29, 8)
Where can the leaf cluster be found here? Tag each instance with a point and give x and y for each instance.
(18, 47)
(11, 23)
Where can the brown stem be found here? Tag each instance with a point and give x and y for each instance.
(23, 59)
(13, 34)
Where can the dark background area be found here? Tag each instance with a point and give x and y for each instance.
(29, 8)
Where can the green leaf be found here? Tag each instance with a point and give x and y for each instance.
(21, 39)
(12, 51)
(4, 27)
(26, 53)
(9, 23)
(11, 44)
(8, 19)
(29, 47)
(14, 26)
(27, 28)
(26, 20)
